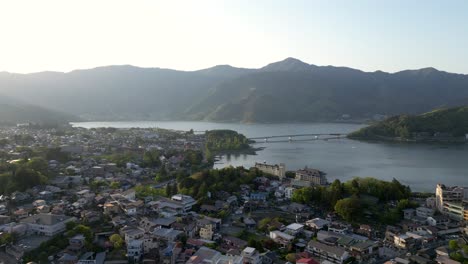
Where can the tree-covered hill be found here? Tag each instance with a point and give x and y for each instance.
(225, 140)
(13, 112)
(449, 124)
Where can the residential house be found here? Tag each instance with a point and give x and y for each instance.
(281, 238)
(424, 212)
(167, 234)
(317, 223)
(207, 232)
(294, 229)
(403, 241)
(132, 233)
(135, 250)
(185, 200)
(251, 256)
(76, 243)
(258, 196)
(409, 213)
(437, 220)
(332, 254)
(288, 192)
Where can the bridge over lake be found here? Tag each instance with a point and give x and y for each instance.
(299, 137)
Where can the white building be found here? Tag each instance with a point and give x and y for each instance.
(445, 194)
(281, 238)
(251, 256)
(185, 200)
(135, 249)
(288, 192)
(317, 223)
(424, 212)
(47, 224)
(294, 229)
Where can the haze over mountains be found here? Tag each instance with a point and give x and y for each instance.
(284, 91)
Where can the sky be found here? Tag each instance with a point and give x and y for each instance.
(63, 35)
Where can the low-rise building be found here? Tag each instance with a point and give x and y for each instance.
(294, 229)
(135, 250)
(277, 170)
(403, 241)
(251, 256)
(317, 223)
(332, 254)
(288, 192)
(281, 237)
(186, 201)
(438, 220)
(409, 213)
(207, 232)
(424, 212)
(47, 224)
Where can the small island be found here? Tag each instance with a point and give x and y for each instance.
(224, 141)
(441, 125)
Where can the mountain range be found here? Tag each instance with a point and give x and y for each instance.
(284, 91)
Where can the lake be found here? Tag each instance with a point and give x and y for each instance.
(421, 166)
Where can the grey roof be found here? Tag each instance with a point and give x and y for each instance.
(167, 233)
(329, 249)
(164, 221)
(45, 219)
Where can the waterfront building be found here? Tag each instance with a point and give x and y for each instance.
(307, 177)
(277, 170)
(445, 194)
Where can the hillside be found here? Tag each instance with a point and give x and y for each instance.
(439, 125)
(284, 91)
(13, 112)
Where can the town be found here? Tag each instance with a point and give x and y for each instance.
(92, 196)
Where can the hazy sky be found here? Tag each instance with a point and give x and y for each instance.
(63, 35)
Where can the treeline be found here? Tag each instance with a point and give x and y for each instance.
(227, 179)
(23, 174)
(453, 121)
(349, 199)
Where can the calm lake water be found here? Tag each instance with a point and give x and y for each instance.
(419, 165)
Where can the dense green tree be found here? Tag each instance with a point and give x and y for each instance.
(116, 240)
(38, 164)
(174, 189)
(151, 158)
(457, 256)
(453, 244)
(169, 190)
(348, 208)
(114, 185)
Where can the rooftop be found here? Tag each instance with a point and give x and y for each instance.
(338, 251)
(295, 226)
(45, 219)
